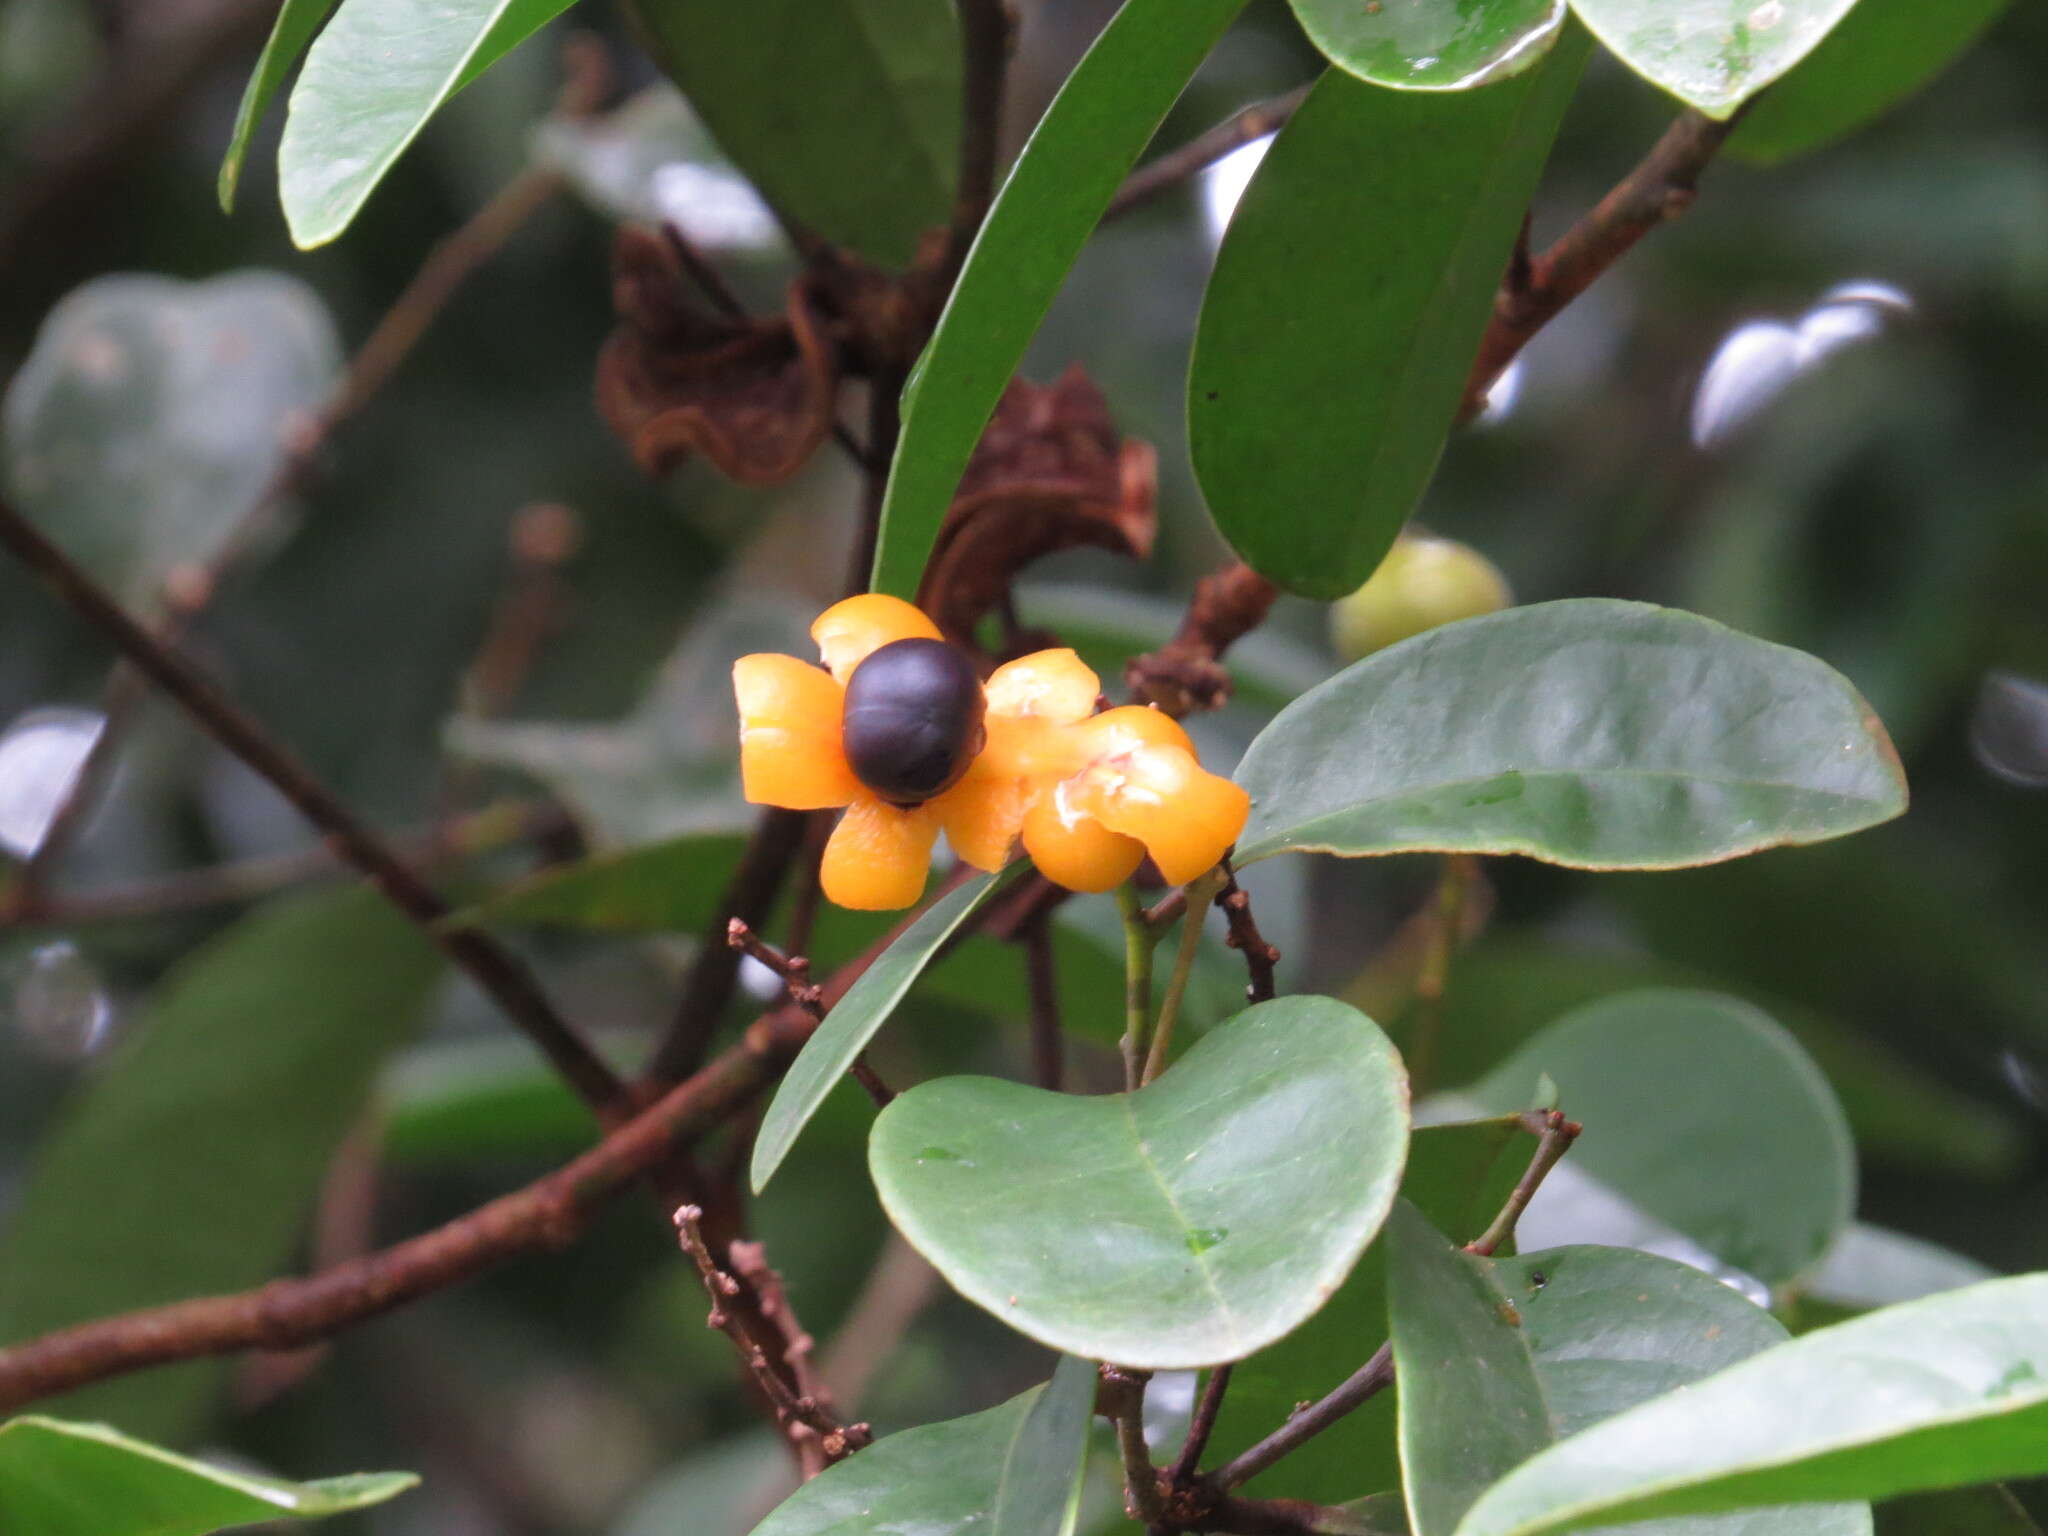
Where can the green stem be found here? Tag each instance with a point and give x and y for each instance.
(1138, 942)
(1459, 872)
(1201, 891)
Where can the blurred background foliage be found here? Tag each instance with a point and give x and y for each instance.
(1812, 409)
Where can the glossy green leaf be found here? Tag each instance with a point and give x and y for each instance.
(1592, 733)
(1011, 1471)
(853, 1022)
(1711, 54)
(1200, 1218)
(254, 1061)
(1497, 1359)
(1704, 1113)
(297, 21)
(373, 78)
(1933, 1394)
(1078, 155)
(63, 1479)
(1881, 53)
(1431, 45)
(152, 413)
(672, 886)
(1318, 402)
(844, 113)
(1458, 1176)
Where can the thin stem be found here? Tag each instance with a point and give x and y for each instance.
(1555, 1136)
(1201, 1427)
(1360, 1387)
(1260, 958)
(501, 974)
(1659, 189)
(1455, 880)
(794, 970)
(1205, 149)
(1200, 890)
(1138, 941)
(1121, 1397)
(1042, 981)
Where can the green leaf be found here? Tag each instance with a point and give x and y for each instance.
(1933, 1394)
(62, 1479)
(485, 1096)
(1077, 157)
(1591, 733)
(1318, 403)
(371, 81)
(1871, 1267)
(1432, 45)
(152, 413)
(844, 113)
(853, 1022)
(997, 1471)
(1196, 1220)
(1957, 1512)
(254, 1062)
(1881, 53)
(1458, 1176)
(1497, 1359)
(1745, 1151)
(297, 21)
(1711, 54)
(666, 887)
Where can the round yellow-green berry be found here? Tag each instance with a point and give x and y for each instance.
(1424, 581)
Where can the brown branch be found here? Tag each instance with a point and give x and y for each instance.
(546, 1215)
(1120, 1398)
(1185, 676)
(543, 539)
(1555, 1136)
(985, 30)
(748, 1300)
(1042, 982)
(1201, 1427)
(1659, 189)
(795, 970)
(501, 974)
(1260, 958)
(248, 879)
(1205, 149)
(1357, 1389)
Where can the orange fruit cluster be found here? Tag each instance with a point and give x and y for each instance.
(1088, 795)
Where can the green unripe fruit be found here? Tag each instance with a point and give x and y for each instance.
(1423, 582)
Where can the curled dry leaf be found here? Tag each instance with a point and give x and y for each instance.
(753, 395)
(1049, 474)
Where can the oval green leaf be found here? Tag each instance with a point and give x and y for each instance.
(63, 1479)
(1078, 155)
(372, 80)
(1497, 1359)
(1431, 45)
(1014, 1470)
(255, 1060)
(297, 21)
(853, 1021)
(1882, 53)
(1747, 1152)
(1350, 294)
(152, 413)
(845, 113)
(1711, 54)
(1591, 733)
(1207, 1214)
(1937, 1393)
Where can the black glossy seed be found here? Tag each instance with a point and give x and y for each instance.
(913, 719)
